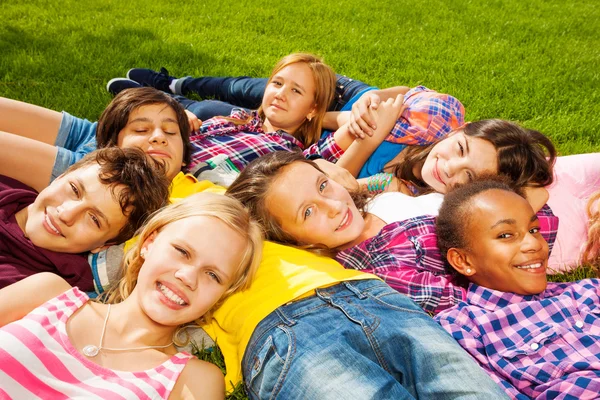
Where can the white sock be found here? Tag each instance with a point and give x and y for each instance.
(172, 86)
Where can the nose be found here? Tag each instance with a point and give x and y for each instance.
(69, 211)
(158, 136)
(280, 93)
(333, 207)
(531, 243)
(188, 275)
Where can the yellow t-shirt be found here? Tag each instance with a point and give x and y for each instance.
(285, 274)
(182, 186)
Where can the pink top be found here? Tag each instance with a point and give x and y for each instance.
(576, 178)
(37, 360)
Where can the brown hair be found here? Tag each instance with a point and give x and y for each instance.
(227, 210)
(116, 115)
(310, 131)
(525, 156)
(252, 186)
(144, 185)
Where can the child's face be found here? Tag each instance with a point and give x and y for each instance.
(507, 250)
(154, 129)
(76, 213)
(188, 267)
(290, 97)
(458, 159)
(312, 208)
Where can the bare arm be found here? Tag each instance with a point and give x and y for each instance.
(19, 299)
(361, 149)
(362, 119)
(26, 160)
(29, 120)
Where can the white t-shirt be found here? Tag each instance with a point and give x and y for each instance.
(395, 206)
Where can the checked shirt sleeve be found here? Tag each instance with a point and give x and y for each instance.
(405, 255)
(327, 148)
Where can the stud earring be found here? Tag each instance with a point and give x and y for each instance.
(309, 119)
(143, 253)
(468, 270)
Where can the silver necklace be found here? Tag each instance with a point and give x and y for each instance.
(92, 350)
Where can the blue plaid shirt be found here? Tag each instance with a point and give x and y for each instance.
(545, 346)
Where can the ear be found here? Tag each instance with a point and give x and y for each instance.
(148, 242)
(459, 260)
(312, 113)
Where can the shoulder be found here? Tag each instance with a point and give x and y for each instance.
(199, 379)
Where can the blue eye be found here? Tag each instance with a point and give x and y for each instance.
(213, 276)
(322, 186)
(308, 212)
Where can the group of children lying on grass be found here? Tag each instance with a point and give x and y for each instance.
(400, 211)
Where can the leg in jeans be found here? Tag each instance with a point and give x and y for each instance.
(205, 109)
(359, 340)
(247, 92)
(242, 91)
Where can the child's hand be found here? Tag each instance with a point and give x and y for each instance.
(338, 174)
(386, 116)
(362, 117)
(195, 122)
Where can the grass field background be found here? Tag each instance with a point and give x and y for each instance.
(536, 62)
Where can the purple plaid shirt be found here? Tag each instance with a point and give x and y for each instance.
(243, 143)
(405, 255)
(545, 346)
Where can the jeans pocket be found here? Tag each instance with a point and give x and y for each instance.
(267, 363)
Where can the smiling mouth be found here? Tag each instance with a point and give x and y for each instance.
(170, 298)
(50, 226)
(536, 266)
(346, 221)
(436, 172)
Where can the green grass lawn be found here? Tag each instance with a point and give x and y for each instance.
(535, 61)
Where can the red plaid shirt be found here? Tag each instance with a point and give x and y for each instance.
(243, 143)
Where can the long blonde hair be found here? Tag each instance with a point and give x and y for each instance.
(227, 210)
(310, 131)
(591, 251)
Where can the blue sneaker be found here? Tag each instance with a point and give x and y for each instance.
(147, 77)
(116, 85)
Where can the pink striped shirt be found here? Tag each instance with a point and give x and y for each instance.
(37, 360)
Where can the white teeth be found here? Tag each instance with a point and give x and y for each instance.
(530, 266)
(343, 221)
(50, 224)
(170, 295)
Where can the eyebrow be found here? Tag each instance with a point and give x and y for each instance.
(144, 119)
(294, 83)
(96, 209)
(511, 221)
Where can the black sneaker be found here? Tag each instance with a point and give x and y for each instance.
(147, 77)
(116, 85)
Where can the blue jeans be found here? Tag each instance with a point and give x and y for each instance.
(246, 92)
(359, 340)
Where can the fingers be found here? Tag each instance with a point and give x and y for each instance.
(194, 121)
(362, 117)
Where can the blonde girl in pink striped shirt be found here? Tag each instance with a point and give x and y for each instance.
(56, 343)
